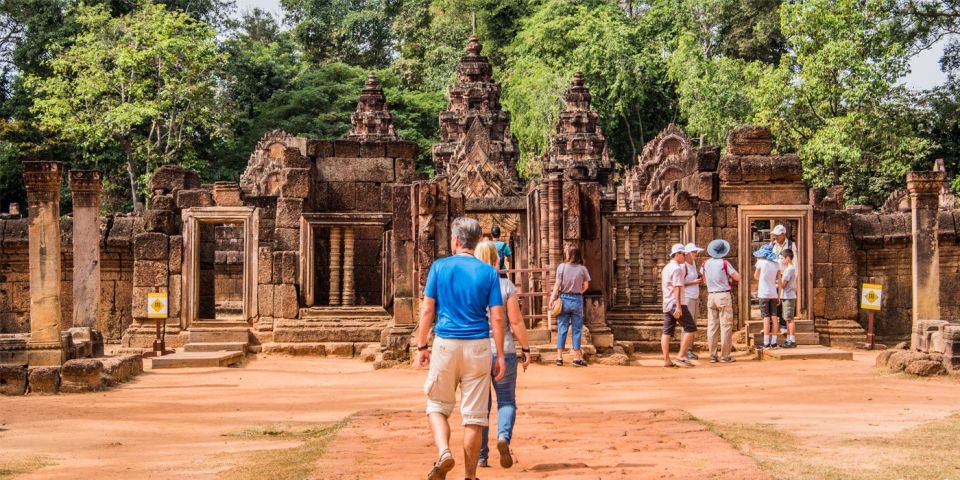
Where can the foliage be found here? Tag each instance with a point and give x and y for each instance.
(349, 31)
(834, 100)
(623, 72)
(143, 81)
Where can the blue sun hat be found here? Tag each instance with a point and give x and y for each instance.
(718, 248)
(765, 252)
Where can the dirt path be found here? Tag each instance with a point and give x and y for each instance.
(174, 422)
(555, 442)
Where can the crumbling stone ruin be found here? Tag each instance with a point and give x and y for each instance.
(323, 246)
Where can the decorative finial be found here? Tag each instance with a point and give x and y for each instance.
(577, 80)
(372, 81)
(473, 46)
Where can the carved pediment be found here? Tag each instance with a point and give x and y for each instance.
(664, 161)
(261, 177)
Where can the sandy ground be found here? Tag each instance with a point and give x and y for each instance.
(172, 423)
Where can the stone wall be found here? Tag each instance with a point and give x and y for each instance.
(116, 254)
(884, 252)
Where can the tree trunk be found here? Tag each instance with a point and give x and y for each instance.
(132, 173)
(633, 145)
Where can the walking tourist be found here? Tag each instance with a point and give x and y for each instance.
(674, 311)
(766, 273)
(503, 250)
(572, 281)
(719, 276)
(691, 286)
(459, 292)
(506, 388)
(788, 295)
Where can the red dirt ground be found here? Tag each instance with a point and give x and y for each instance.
(171, 424)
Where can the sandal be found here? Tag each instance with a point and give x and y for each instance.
(442, 467)
(682, 362)
(506, 459)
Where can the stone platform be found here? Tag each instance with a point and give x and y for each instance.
(198, 359)
(807, 352)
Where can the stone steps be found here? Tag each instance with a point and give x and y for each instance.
(197, 360)
(320, 349)
(309, 332)
(216, 347)
(364, 312)
(807, 352)
(844, 333)
(219, 335)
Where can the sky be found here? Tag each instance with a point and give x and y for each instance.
(924, 68)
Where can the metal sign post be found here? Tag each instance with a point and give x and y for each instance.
(871, 298)
(158, 308)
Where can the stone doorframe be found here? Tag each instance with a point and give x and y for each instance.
(249, 217)
(309, 223)
(804, 215)
(685, 219)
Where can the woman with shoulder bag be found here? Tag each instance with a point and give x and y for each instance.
(572, 281)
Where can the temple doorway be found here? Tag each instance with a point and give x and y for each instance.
(221, 271)
(756, 224)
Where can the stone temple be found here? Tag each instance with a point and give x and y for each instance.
(323, 246)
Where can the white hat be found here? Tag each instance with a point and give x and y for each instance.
(779, 230)
(692, 247)
(677, 248)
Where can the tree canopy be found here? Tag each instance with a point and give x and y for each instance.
(127, 85)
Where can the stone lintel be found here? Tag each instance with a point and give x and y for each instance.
(925, 182)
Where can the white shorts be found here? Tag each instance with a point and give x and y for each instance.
(466, 363)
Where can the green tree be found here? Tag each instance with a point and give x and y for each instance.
(355, 32)
(431, 36)
(623, 68)
(143, 81)
(833, 98)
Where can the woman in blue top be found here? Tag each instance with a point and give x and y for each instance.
(507, 387)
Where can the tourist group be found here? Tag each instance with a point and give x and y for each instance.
(474, 312)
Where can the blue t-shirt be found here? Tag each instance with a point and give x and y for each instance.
(503, 250)
(464, 287)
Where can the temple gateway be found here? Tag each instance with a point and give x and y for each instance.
(323, 246)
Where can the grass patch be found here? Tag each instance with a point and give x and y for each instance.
(296, 463)
(928, 451)
(11, 467)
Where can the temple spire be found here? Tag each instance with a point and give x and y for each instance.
(372, 121)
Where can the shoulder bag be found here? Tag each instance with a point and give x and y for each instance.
(556, 308)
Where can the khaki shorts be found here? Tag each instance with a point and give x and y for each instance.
(464, 363)
(789, 309)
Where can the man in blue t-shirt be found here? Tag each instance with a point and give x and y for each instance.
(459, 293)
(503, 249)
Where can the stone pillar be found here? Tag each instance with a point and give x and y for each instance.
(555, 222)
(348, 295)
(334, 266)
(924, 188)
(85, 185)
(43, 196)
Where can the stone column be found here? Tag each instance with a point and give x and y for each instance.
(924, 188)
(334, 266)
(555, 222)
(43, 196)
(348, 294)
(85, 185)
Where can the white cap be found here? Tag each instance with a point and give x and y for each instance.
(691, 247)
(677, 248)
(779, 230)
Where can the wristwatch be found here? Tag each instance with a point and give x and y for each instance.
(423, 347)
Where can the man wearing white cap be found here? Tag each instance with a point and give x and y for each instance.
(691, 286)
(780, 242)
(674, 310)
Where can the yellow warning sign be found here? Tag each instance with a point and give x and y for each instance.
(157, 305)
(870, 296)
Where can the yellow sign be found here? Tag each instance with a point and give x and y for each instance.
(870, 296)
(157, 305)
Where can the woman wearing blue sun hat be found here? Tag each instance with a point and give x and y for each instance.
(766, 273)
